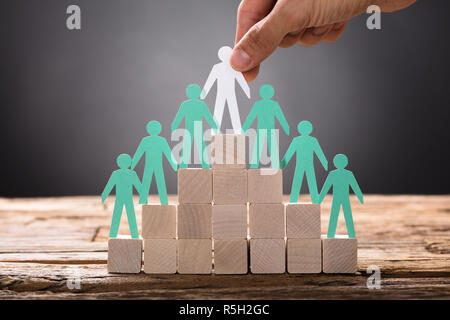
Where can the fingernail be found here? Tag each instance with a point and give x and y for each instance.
(240, 59)
(318, 31)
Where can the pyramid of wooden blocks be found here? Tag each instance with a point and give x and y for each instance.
(229, 221)
(303, 220)
(230, 256)
(265, 186)
(304, 255)
(230, 186)
(267, 221)
(228, 151)
(159, 221)
(124, 255)
(267, 255)
(194, 256)
(340, 254)
(194, 185)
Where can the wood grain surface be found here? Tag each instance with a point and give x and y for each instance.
(47, 243)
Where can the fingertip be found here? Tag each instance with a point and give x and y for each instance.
(239, 60)
(251, 74)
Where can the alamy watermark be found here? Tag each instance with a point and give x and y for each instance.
(74, 279)
(228, 148)
(374, 280)
(73, 21)
(374, 20)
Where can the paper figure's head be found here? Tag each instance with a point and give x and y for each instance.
(266, 91)
(305, 127)
(340, 161)
(225, 53)
(193, 91)
(153, 127)
(124, 161)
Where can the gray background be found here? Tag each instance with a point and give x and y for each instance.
(71, 101)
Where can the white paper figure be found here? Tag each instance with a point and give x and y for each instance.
(226, 76)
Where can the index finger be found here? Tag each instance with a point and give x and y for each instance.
(249, 13)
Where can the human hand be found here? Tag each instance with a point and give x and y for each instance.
(263, 25)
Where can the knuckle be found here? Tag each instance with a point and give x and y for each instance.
(255, 41)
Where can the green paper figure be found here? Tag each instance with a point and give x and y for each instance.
(305, 146)
(123, 179)
(194, 110)
(266, 110)
(341, 180)
(154, 147)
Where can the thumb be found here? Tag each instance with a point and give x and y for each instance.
(258, 43)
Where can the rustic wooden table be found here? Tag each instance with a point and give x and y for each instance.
(47, 241)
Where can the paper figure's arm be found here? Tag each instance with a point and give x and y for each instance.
(244, 85)
(137, 183)
(137, 155)
(168, 153)
(251, 117)
(319, 153)
(289, 153)
(178, 118)
(326, 187)
(109, 186)
(281, 119)
(356, 189)
(209, 82)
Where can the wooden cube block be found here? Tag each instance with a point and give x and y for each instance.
(229, 221)
(160, 255)
(228, 151)
(304, 255)
(230, 186)
(230, 256)
(124, 255)
(265, 186)
(194, 256)
(194, 185)
(303, 221)
(339, 254)
(159, 221)
(194, 221)
(267, 221)
(267, 255)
